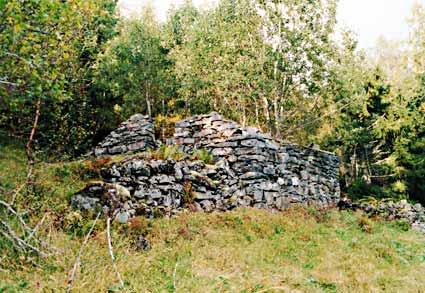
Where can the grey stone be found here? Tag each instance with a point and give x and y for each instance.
(222, 151)
(252, 143)
(134, 134)
(252, 175)
(142, 243)
(269, 170)
(250, 169)
(122, 217)
(204, 195)
(281, 181)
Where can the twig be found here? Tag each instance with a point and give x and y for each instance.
(8, 82)
(36, 227)
(111, 252)
(174, 275)
(28, 147)
(21, 242)
(16, 192)
(77, 260)
(10, 238)
(15, 213)
(25, 227)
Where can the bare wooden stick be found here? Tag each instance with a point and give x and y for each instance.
(111, 252)
(6, 235)
(15, 213)
(77, 260)
(20, 241)
(174, 275)
(34, 231)
(28, 146)
(16, 192)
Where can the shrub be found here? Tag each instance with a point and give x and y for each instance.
(203, 155)
(360, 189)
(188, 195)
(167, 152)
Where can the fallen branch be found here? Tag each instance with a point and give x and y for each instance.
(77, 260)
(174, 275)
(34, 231)
(21, 243)
(15, 213)
(111, 252)
(16, 192)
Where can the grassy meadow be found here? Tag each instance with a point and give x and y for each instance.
(246, 250)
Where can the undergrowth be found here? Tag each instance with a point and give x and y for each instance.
(245, 250)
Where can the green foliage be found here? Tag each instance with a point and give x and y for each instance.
(203, 155)
(134, 68)
(359, 189)
(377, 128)
(167, 152)
(47, 48)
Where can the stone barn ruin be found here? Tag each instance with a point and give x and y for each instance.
(250, 169)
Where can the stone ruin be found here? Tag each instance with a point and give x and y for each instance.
(250, 169)
(135, 134)
(267, 170)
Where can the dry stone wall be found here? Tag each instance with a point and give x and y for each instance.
(250, 169)
(135, 134)
(268, 171)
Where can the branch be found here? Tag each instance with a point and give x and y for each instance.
(111, 253)
(28, 148)
(12, 211)
(21, 242)
(77, 260)
(34, 231)
(8, 82)
(174, 275)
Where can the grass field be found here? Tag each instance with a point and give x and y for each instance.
(246, 250)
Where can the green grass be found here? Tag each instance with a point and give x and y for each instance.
(246, 250)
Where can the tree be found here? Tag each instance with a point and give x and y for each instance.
(300, 33)
(134, 67)
(221, 60)
(46, 50)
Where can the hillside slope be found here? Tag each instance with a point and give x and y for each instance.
(246, 250)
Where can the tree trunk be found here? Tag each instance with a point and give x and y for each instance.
(266, 111)
(148, 102)
(257, 121)
(276, 117)
(28, 146)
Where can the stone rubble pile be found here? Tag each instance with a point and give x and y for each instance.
(390, 210)
(250, 169)
(135, 134)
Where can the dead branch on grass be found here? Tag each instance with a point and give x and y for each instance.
(77, 260)
(111, 252)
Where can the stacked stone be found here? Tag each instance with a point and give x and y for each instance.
(203, 130)
(161, 185)
(270, 175)
(135, 134)
(414, 214)
(250, 169)
(309, 174)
